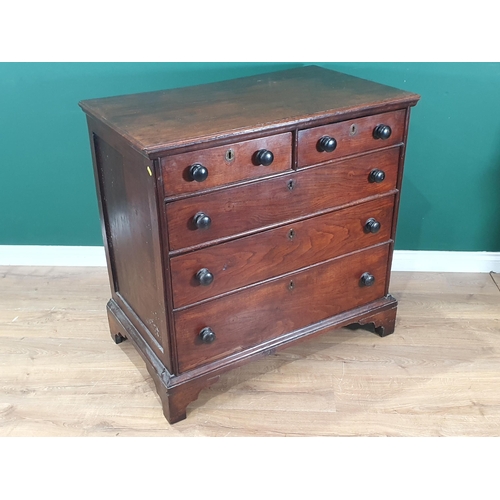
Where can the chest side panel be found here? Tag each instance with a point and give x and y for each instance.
(130, 214)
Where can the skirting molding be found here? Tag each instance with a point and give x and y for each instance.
(42, 255)
(403, 260)
(446, 262)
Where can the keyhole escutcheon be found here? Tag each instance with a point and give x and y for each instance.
(230, 155)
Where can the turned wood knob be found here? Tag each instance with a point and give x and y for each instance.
(372, 226)
(198, 172)
(327, 144)
(207, 335)
(263, 157)
(366, 279)
(376, 175)
(204, 277)
(202, 220)
(382, 132)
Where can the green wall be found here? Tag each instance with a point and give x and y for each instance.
(450, 198)
(450, 195)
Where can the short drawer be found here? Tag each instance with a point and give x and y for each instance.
(240, 209)
(221, 268)
(267, 311)
(349, 137)
(208, 168)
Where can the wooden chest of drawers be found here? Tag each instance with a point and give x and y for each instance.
(242, 216)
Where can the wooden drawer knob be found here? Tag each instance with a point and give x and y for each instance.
(202, 220)
(327, 144)
(204, 277)
(366, 279)
(207, 335)
(263, 157)
(377, 176)
(372, 226)
(198, 172)
(382, 132)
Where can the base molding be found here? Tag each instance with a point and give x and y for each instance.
(177, 391)
(403, 260)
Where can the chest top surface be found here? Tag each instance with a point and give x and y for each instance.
(159, 121)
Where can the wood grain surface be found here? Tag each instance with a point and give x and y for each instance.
(352, 136)
(241, 166)
(262, 204)
(156, 121)
(132, 236)
(244, 261)
(437, 375)
(265, 311)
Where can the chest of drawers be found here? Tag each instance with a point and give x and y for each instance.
(240, 217)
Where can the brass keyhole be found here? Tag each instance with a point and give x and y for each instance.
(230, 155)
(353, 130)
(291, 185)
(291, 234)
(291, 285)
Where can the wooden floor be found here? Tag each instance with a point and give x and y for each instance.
(437, 375)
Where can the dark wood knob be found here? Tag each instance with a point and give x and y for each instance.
(376, 175)
(204, 277)
(202, 220)
(382, 132)
(207, 335)
(264, 157)
(198, 172)
(372, 226)
(366, 279)
(327, 144)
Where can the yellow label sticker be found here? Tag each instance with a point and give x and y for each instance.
(149, 170)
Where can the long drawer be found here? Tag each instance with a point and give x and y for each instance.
(259, 205)
(221, 268)
(266, 311)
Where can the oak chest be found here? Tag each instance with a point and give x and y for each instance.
(240, 217)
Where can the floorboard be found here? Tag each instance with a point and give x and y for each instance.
(437, 375)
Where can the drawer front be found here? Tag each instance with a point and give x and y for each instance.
(353, 136)
(225, 164)
(267, 311)
(255, 258)
(239, 209)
